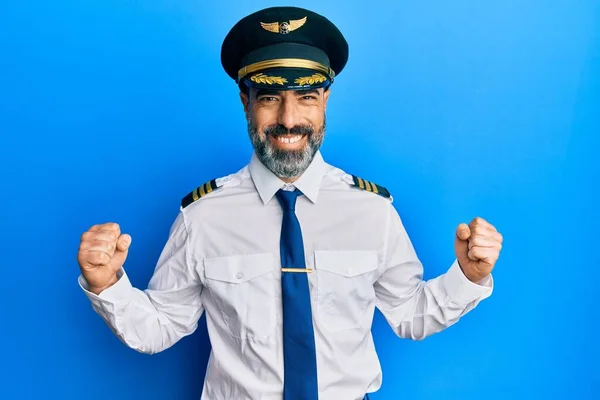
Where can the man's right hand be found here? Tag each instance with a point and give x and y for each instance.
(102, 252)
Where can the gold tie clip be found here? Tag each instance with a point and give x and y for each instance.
(296, 270)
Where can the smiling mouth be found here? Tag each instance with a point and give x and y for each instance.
(287, 139)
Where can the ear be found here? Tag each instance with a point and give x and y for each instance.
(245, 102)
(326, 96)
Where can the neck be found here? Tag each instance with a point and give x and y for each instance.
(289, 180)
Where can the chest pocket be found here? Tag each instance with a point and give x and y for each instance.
(243, 288)
(346, 296)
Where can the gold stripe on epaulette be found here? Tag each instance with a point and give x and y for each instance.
(374, 186)
(360, 183)
(370, 186)
(199, 192)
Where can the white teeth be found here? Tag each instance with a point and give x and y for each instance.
(292, 139)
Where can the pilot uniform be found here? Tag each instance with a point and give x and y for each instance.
(230, 250)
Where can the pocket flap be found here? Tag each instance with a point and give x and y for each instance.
(238, 269)
(346, 262)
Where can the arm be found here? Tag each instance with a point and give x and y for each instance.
(415, 308)
(154, 319)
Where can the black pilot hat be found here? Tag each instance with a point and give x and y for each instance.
(283, 48)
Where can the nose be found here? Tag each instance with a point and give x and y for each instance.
(289, 115)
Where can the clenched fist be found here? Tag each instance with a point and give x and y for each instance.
(102, 252)
(477, 248)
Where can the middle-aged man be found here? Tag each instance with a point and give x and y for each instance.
(289, 256)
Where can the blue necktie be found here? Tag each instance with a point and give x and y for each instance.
(299, 356)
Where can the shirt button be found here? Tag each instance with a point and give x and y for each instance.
(348, 270)
(239, 275)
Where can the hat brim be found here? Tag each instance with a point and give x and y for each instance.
(287, 79)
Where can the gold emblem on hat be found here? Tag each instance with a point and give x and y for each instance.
(269, 80)
(283, 27)
(310, 80)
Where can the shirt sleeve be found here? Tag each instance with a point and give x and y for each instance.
(154, 319)
(415, 308)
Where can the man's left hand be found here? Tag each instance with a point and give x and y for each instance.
(477, 248)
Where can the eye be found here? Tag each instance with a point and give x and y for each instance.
(265, 99)
(309, 97)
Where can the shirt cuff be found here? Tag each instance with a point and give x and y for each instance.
(119, 293)
(461, 290)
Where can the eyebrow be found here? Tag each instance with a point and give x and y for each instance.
(300, 93)
(267, 92)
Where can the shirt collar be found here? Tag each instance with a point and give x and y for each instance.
(267, 183)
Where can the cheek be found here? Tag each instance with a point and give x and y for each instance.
(260, 124)
(317, 117)
(262, 118)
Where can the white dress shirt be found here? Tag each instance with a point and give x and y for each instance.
(222, 258)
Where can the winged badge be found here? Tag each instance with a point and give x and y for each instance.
(283, 27)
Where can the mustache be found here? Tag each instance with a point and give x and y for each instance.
(278, 129)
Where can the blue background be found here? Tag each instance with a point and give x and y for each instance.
(113, 110)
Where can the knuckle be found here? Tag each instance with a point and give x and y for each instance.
(479, 236)
(111, 236)
(87, 236)
(108, 227)
(83, 246)
(113, 229)
(100, 246)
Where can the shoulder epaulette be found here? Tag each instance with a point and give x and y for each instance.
(198, 193)
(370, 186)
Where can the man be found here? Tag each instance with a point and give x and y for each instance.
(288, 256)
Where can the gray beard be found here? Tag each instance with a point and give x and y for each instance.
(286, 163)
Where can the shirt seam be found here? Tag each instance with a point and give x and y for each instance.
(387, 238)
(188, 260)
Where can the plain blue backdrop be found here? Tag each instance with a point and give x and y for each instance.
(113, 110)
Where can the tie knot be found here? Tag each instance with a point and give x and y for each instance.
(287, 198)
